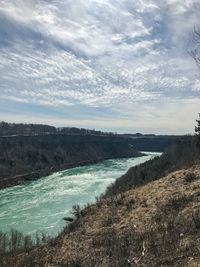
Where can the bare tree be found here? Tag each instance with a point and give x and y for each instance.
(197, 131)
(196, 51)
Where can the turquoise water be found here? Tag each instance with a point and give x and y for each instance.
(40, 205)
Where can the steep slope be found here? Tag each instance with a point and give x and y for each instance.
(29, 157)
(157, 224)
(181, 155)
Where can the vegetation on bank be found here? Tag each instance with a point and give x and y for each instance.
(25, 158)
(181, 155)
(31, 151)
(14, 241)
(29, 157)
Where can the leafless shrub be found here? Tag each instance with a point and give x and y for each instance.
(196, 218)
(190, 177)
(14, 241)
(76, 211)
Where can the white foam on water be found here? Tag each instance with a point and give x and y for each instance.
(40, 205)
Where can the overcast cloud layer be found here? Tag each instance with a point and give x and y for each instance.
(118, 65)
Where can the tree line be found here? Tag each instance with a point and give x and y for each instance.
(8, 129)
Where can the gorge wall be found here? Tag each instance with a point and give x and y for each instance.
(25, 158)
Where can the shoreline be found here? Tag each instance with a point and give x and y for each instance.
(21, 179)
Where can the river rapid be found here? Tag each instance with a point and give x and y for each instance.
(41, 205)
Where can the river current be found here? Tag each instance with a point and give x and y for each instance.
(41, 205)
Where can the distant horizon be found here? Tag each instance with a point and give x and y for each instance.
(122, 66)
(96, 129)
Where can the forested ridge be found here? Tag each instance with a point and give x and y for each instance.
(10, 129)
(24, 158)
(30, 151)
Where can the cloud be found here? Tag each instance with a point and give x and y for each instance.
(97, 54)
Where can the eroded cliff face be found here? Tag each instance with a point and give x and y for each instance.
(25, 158)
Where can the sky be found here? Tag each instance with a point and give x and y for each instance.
(114, 65)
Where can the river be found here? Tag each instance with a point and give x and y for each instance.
(41, 205)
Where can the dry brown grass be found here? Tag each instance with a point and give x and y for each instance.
(154, 225)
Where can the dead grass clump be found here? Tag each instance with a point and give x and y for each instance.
(196, 218)
(175, 204)
(130, 204)
(190, 177)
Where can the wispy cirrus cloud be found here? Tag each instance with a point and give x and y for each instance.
(98, 54)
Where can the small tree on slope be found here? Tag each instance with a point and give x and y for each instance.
(197, 131)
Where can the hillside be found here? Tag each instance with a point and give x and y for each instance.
(32, 151)
(154, 225)
(26, 157)
(181, 155)
(29, 157)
